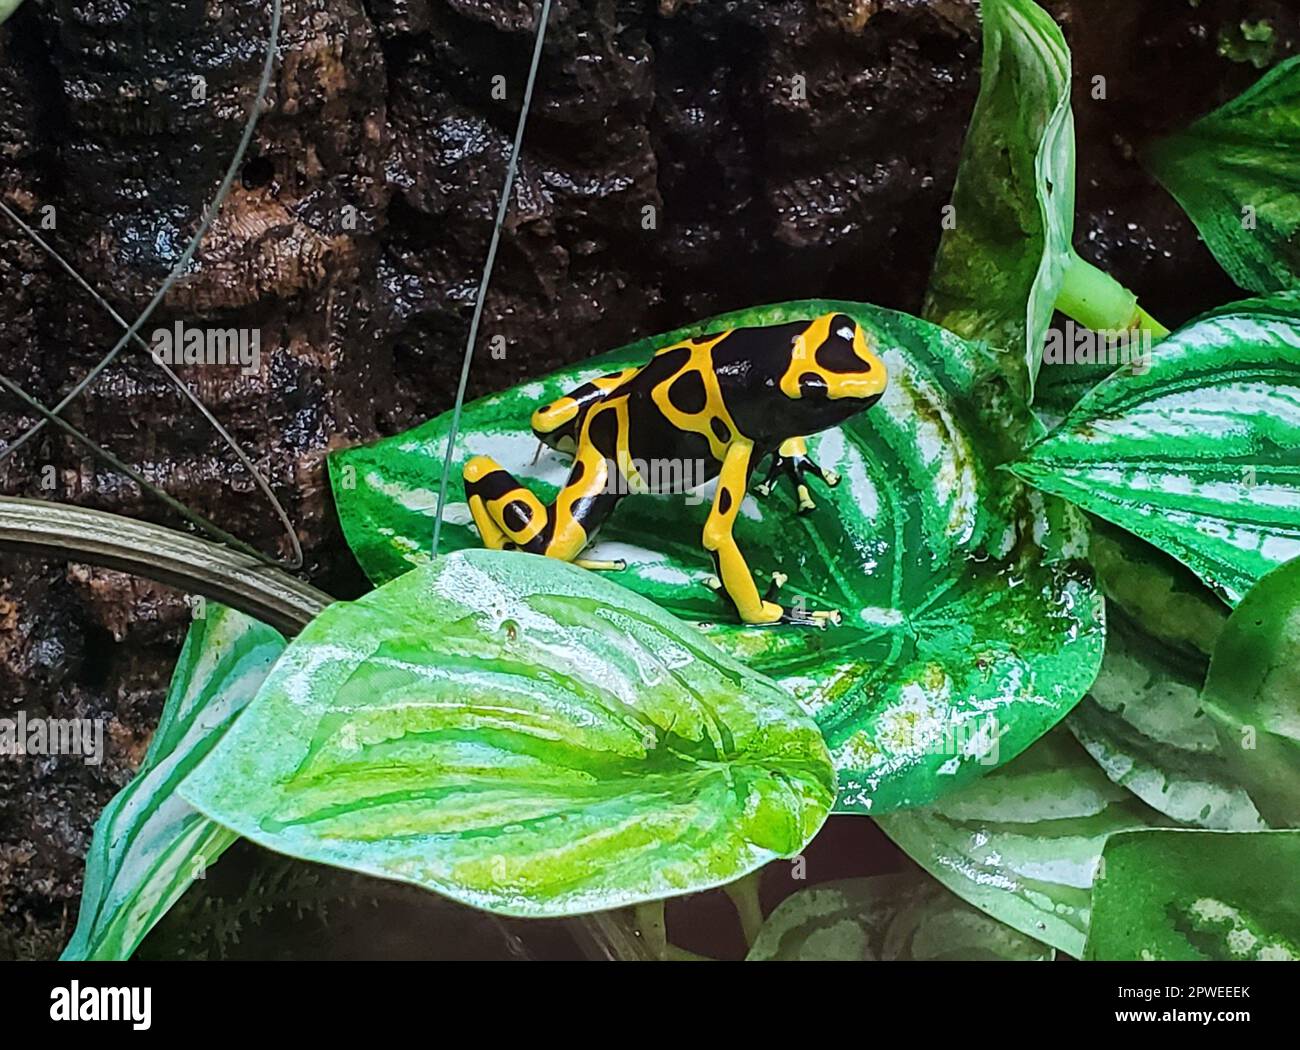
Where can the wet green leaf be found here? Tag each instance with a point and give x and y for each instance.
(149, 844)
(968, 611)
(1062, 386)
(1235, 173)
(1023, 843)
(521, 736)
(1200, 455)
(1143, 723)
(1000, 266)
(1253, 693)
(886, 918)
(1143, 719)
(1197, 895)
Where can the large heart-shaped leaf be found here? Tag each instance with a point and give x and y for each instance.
(886, 918)
(1004, 254)
(149, 844)
(1023, 844)
(1197, 895)
(1253, 694)
(1235, 174)
(967, 632)
(1143, 719)
(1199, 455)
(522, 736)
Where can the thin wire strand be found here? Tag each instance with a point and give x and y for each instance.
(260, 480)
(132, 332)
(209, 216)
(215, 531)
(502, 208)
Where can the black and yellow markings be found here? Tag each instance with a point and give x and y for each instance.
(725, 398)
(831, 358)
(559, 423)
(505, 512)
(690, 397)
(733, 572)
(508, 514)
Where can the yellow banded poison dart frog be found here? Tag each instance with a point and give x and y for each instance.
(723, 400)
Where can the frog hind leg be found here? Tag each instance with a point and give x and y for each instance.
(792, 461)
(511, 517)
(559, 423)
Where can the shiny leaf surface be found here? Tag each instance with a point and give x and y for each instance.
(149, 843)
(1235, 174)
(1000, 266)
(521, 736)
(1143, 719)
(1200, 455)
(1198, 895)
(1023, 844)
(1253, 694)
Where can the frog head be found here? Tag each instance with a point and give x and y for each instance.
(832, 374)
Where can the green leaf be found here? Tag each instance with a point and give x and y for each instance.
(521, 736)
(886, 918)
(149, 844)
(1235, 174)
(1143, 723)
(1143, 719)
(969, 612)
(1253, 693)
(1199, 455)
(999, 268)
(8, 7)
(1197, 895)
(1023, 844)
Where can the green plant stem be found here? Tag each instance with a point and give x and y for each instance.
(1095, 299)
(744, 895)
(649, 923)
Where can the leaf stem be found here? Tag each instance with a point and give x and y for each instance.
(1095, 299)
(649, 923)
(744, 895)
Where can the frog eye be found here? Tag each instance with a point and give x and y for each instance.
(812, 383)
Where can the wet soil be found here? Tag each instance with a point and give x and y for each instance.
(671, 170)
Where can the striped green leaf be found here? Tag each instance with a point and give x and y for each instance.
(1143, 720)
(521, 736)
(1003, 256)
(1253, 694)
(1023, 844)
(149, 844)
(1198, 895)
(971, 621)
(1235, 174)
(1199, 455)
(886, 918)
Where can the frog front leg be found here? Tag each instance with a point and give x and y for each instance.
(792, 461)
(733, 574)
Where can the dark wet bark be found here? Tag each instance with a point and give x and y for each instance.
(385, 107)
